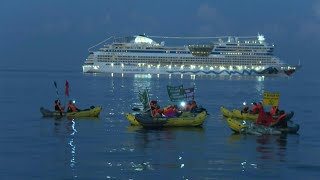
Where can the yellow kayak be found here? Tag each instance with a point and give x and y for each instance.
(235, 113)
(130, 117)
(236, 125)
(249, 127)
(93, 112)
(185, 119)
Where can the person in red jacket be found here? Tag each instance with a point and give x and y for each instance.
(274, 110)
(72, 107)
(255, 109)
(57, 106)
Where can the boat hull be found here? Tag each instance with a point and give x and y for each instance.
(184, 120)
(245, 127)
(103, 68)
(94, 112)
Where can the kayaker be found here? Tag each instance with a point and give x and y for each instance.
(264, 118)
(245, 108)
(157, 112)
(187, 106)
(260, 106)
(255, 108)
(153, 104)
(57, 106)
(281, 120)
(72, 107)
(193, 106)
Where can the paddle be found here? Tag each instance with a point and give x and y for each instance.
(55, 84)
(136, 109)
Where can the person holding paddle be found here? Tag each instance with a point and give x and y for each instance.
(57, 106)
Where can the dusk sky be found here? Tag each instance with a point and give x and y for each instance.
(55, 34)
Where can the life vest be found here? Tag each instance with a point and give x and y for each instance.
(192, 107)
(264, 119)
(72, 107)
(273, 110)
(156, 112)
(255, 109)
(279, 118)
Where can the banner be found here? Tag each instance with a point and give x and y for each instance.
(189, 94)
(176, 93)
(271, 99)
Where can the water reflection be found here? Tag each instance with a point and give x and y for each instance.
(271, 146)
(66, 129)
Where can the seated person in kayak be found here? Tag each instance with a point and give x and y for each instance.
(245, 108)
(171, 111)
(72, 107)
(191, 106)
(57, 106)
(153, 104)
(281, 120)
(255, 109)
(156, 111)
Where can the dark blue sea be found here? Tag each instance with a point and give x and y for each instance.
(33, 147)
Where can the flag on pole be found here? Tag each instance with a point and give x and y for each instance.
(144, 98)
(67, 88)
(176, 93)
(189, 94)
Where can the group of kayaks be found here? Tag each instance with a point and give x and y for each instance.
(246, 123)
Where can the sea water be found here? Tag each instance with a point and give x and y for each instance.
(33, 147)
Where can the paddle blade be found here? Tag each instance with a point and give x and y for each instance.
(55, 84)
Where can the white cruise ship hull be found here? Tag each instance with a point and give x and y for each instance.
(265, 71)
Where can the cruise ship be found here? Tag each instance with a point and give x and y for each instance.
(225, 55)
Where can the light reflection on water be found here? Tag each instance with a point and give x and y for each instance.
(109, 148)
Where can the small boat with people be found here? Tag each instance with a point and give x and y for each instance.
(249, 127)
(72, 110)
(152, 116)
(90, 112)
(258, 121)
(184, 120)
(249, 114)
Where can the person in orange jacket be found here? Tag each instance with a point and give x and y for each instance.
(255, 109)
(72, 107)
(274, 110)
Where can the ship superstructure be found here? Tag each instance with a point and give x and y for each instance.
(217, 56)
